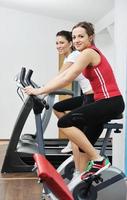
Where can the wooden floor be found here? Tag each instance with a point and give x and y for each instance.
(18, 186)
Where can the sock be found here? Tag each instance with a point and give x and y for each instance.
(99, 159)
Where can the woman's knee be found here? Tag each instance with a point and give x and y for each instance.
(55, 111)
(64, 123)
(58, 114)
(56, 107)
(70, 120)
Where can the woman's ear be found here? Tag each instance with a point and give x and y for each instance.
(91, 38)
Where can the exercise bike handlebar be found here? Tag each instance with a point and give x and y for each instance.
(30, 82)
(28, 77)
(22, 76)
(25, 80)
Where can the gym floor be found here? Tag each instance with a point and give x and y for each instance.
(18, 186)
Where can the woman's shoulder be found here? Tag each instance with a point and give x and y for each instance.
(72, 56)
(74, 53)
(90, 51)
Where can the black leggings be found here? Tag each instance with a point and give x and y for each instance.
(92, 116)
(75, 103)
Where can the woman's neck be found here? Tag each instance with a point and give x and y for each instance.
(68, 53)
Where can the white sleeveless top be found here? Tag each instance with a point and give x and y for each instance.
(83, 82)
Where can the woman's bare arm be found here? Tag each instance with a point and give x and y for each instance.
(65, 77)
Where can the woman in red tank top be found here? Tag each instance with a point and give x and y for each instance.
(108, 99)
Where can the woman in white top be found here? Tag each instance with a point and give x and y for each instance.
(65, 48)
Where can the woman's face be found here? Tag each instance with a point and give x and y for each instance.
(80, 38)
(63, 46)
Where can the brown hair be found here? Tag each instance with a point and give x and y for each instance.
(87, 26)
(67, 35)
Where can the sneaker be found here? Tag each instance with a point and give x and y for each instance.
(95, 167)
(75, 175)
(67, 149)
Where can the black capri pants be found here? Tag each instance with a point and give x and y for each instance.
(73, 103)
(92, 116)
(76, 103)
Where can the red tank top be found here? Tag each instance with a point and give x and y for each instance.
(102, 79)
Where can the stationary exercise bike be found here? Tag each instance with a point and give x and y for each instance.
(111, 183)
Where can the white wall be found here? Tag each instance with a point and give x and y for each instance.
(104, 41)
(120, 143)
(25, 40)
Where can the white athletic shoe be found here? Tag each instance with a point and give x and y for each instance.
(75, 175)
(67, 149)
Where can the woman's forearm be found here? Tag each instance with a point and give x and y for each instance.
(57, 83)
